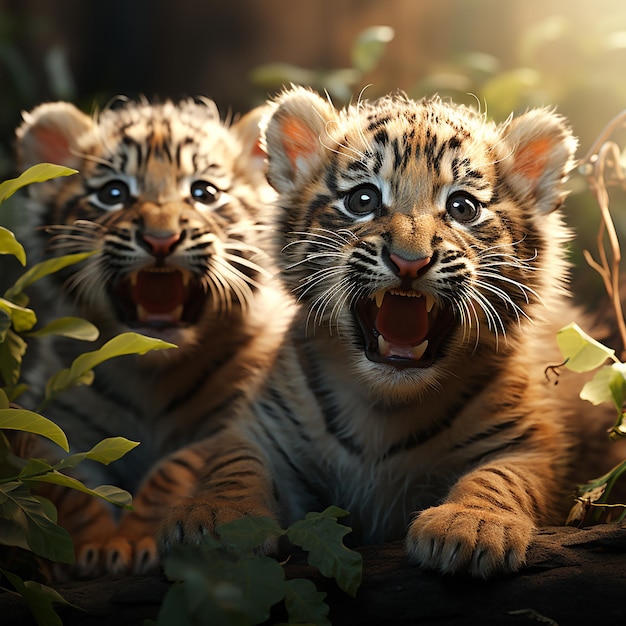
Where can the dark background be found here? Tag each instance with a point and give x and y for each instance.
(506, 56)
(573, 51)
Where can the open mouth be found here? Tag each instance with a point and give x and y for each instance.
(403, 328)
(160, 297)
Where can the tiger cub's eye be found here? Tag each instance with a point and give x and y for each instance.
(363, 200)
(113, 192)
(203, 191)
(462, 207)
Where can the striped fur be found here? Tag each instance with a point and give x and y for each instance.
(171, 199)
(460, 445)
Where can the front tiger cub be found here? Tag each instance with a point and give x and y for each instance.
(425, 246)
(171, 201)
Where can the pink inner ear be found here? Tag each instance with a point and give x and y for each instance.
(299, 141)
(52, 146)
(531, 159)
(257, 149)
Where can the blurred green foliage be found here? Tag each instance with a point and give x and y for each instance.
(562, 61)
(226, 581)
(28, 521)
(365, 54)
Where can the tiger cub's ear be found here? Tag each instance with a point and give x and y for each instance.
(252, 160)
(539, 155)
(294, 137)
(50, 133)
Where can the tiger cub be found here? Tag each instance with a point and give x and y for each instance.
(171, 201)
(425, 246)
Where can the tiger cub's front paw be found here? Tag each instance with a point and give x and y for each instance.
(194, 519)
(454, 539)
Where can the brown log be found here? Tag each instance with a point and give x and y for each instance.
(573, 576)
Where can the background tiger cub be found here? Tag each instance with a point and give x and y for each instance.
(170, 199)
(426, 247)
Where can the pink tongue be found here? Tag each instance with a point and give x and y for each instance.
(159, 292)
(402, 320)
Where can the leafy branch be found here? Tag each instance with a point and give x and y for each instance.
(225, 581)
(603, 166)
(28, 521)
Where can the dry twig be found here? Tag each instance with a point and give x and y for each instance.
(602, 167)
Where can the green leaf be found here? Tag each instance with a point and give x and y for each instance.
(24, 524)
(10, 245)
(277, 74)
(124, 344)
(608, 385)
(261, 580)
(22, 319)
(581, 352)
(45, 268)
(248, 533)
(322, 537)
(369, 47)
(40, 599)
(305, 604)
(109, 493)
(31, 422)
(105, 452)
(73, 327)
(508, 89)
(219, 588)
(174, 610)
(36, 174)
(5, 324)
(12, 351)
(4, 400)
(16, 391)
(35, 467)
(112, 494)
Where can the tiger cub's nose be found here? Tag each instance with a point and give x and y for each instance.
(161, 246)
(408, 268)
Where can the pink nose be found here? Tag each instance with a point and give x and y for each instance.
(161, 245)
(409, 267)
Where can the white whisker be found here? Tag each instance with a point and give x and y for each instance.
(233, 258)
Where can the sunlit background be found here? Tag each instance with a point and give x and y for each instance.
(499, 55)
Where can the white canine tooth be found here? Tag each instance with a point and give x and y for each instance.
(430, 302)
(418, 351)
(379, 296)
(133, 278)
(383, 346)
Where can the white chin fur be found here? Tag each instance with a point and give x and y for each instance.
(391, 384)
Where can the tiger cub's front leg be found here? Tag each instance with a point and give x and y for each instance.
(186, 497)
(484, 526)
(235, 483)
(90, 523)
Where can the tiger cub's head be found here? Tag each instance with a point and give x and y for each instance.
(418, 234)
(168, 198)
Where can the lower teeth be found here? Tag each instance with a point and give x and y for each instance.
(414, 352)
(418, 351)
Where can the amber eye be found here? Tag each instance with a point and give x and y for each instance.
(113, 193)
(462, 207)
(205, 192)
(363, 200)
